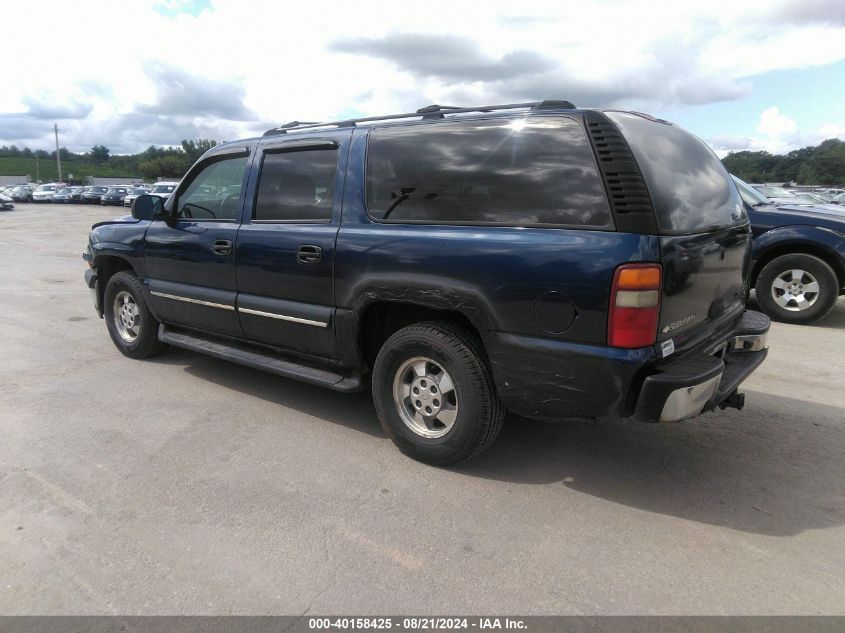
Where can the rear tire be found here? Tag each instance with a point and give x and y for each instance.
(131, 325)
(797, 288)
(434, 393)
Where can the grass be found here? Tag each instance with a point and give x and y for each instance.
(48, 172)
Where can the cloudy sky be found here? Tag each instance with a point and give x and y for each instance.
(127, 74)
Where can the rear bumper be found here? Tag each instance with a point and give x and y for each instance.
(705, 378)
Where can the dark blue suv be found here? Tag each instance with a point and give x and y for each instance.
(536, 258)
(798, 256)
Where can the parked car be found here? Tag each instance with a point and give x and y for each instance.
(44, 193)
(62, 195)
(779, 195)
(77, 194)
(21, 193)
(94, 195)
(164, 188)
(798, 257)
(134, 192)
(114, 195)
(6, 202)
(485, 262)
(816, 198)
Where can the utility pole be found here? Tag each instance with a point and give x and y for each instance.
(58, 157)
(37, 171)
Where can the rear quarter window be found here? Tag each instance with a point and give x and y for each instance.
(690, 189)
(502, 171)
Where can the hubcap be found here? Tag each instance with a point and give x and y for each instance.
(425, 397)
(127, 317)
(795, 290)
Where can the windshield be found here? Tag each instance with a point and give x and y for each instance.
(774, 192)
(138, 192)
(749, 194)
(163, 188)
(115, 190)
(46, 188)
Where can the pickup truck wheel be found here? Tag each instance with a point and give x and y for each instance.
(434, 393)
(130, 323)
(797, 288)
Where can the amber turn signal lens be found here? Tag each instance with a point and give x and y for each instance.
(645, 278)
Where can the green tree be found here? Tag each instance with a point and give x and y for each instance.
(828, 162)
(99, 154)
(196, 148)
(171, 166)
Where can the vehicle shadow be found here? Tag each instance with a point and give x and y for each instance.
(355, 410)
(774, 469)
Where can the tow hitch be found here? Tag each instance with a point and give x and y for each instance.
(735, 401)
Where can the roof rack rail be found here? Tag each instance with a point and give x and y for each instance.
(428, 112)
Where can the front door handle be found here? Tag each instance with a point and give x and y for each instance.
(309, 254)
(222, 247)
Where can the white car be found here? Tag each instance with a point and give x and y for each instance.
(6, 202)
(134, 192)
(44, 193)
(164, 188)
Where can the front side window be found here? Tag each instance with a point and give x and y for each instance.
(528, 171)
(296, 186)
(215, 192)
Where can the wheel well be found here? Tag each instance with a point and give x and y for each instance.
(380, 320)
(107, 266)
(798, 249)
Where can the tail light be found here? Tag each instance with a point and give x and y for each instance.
(634, 306)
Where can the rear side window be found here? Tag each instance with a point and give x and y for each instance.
(296, 186)
(690, 189)
(531, 171)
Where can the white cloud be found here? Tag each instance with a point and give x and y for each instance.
(779, 134)
(106, 68)
(774, 124)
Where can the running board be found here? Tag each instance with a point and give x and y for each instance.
(257, 359)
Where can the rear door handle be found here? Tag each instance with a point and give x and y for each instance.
(309, 254)
(222, 247)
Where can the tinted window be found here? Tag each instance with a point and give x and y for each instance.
(537, 170)
(689, 187)
(214, 192)
(296, 186)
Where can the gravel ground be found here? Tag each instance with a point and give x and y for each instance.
(186, 485)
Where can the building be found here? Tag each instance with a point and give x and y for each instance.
(13, 180)
(108, 182)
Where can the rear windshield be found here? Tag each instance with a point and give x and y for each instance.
(691, 190)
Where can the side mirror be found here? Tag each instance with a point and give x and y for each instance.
(147, 207)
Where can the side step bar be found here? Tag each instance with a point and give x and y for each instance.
(258, 359)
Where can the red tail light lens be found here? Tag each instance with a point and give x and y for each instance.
(634, 306)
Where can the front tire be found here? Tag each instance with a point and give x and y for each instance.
(131, 325)
(797, 288)
(434, 393)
